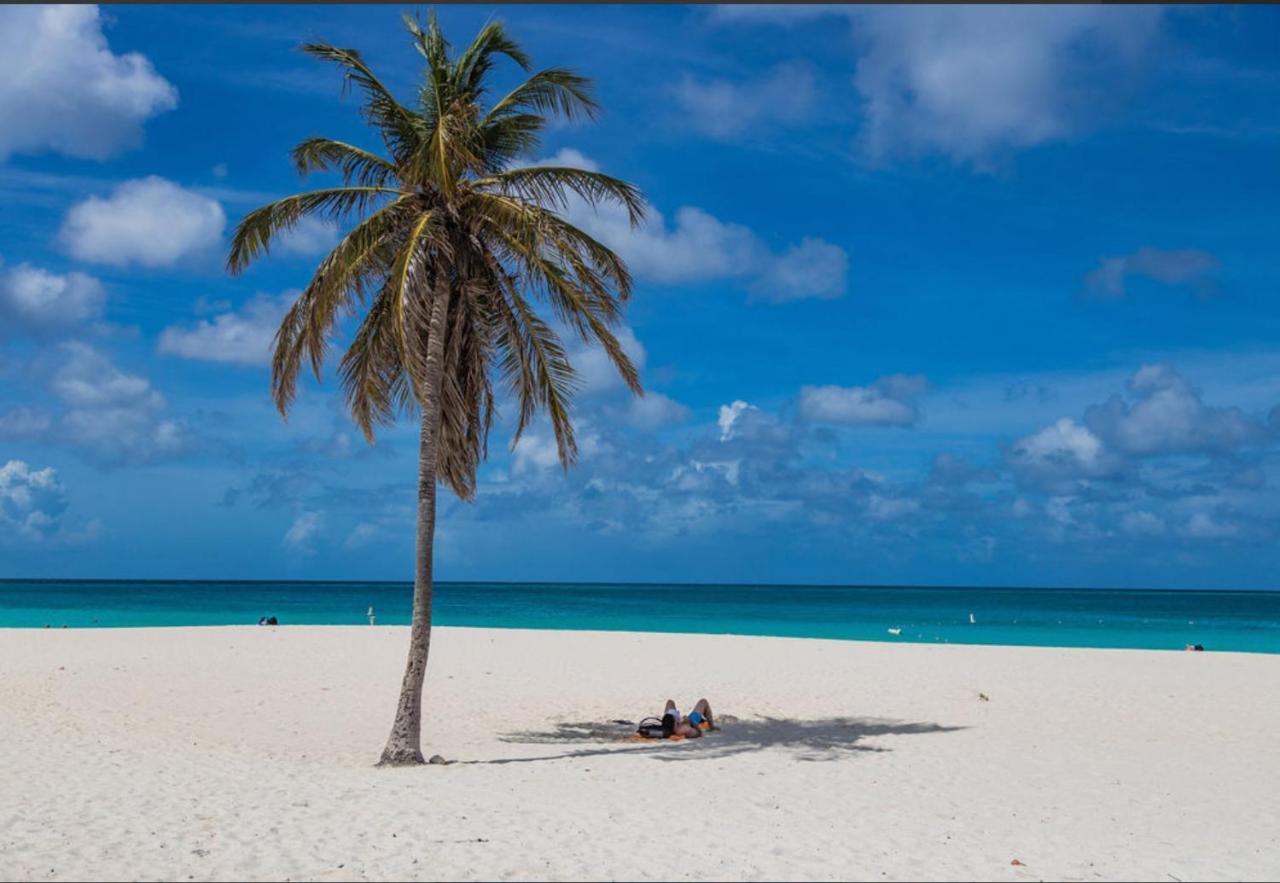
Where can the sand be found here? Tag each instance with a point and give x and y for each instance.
(247, 753)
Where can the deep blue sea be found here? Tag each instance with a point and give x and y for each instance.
(1220, 620)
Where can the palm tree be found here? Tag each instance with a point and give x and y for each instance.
(448, 245)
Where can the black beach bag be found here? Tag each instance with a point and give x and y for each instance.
(656, 728)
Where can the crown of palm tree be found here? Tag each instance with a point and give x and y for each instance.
(446, 220)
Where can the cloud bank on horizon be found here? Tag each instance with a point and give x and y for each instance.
(909, 306)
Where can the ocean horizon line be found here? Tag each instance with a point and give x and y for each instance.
(639, 584)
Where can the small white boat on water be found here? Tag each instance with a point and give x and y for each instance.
(895, 631)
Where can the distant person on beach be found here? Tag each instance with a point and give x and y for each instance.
(690, 727)
(370, 614)
(268, 620)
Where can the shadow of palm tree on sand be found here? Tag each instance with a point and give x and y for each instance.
(810, 740)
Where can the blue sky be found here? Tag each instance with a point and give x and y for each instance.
(948, 295)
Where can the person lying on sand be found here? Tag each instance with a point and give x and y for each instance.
(690, 727)
(674, 725)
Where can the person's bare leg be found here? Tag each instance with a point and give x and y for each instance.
(703, 707)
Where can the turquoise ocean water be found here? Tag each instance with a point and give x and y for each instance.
(1220, 620)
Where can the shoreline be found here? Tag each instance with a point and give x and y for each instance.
(635, 632)
(248, 753)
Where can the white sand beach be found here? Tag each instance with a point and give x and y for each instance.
(247, 753)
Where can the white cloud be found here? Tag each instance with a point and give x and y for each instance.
(655, 410)
(970, 82)
(974, 82)
(90, 380)
(1063, 451)
(1187, 267)
(812, 268)
(1142, 524)
(696, 247)
(1202, 526)
(150, 222)
(24, 423)
(596, 372)
(534, 453)
(571, 157)
(1168, 417)
(887, 402)
(700, 247)
(729, 416)
(35, 299)
(115, 417)
(31, 500)
(113, 436)
(724, 109)
(242, 337)
(65, 89)
(298, 538)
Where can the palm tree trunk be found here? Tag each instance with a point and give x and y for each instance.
(404, 745)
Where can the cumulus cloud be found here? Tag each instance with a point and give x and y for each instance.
(655, 410)
(697, 247)
(969, 82)
(24, 424)
(1188, 267)
(812, 268)
(240, 337)
(1167, 416)
(974, 82)
(36, 300)
(1162, 415)
(595, 371)
(724, 109)
(89, 380)
(729, 415)
(1062, 452)
(66, 90)
(1203, 526)
(300, 536)
(1143, 524)
(112, 416)
(534, 452)
(887, 402)
(31, 501)
(150, 222)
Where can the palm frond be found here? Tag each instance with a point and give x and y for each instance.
(551, 186)
(555, 90)
(253, 235)
(477, 59)
(356, 165)
(358, 260)
(395, 123)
